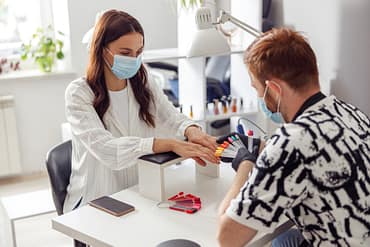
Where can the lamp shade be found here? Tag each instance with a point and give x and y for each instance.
(208, 42)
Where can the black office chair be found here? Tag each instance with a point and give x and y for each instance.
(58, 165)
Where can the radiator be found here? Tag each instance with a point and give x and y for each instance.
(9, 149)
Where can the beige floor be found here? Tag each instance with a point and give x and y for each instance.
(35, 231)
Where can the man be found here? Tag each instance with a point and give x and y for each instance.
(315, 169)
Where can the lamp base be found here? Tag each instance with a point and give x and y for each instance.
(178, 243)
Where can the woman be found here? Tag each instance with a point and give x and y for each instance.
(117, 115)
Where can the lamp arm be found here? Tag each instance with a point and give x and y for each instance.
(225, 17)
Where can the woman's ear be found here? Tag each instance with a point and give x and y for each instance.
(107, 57)
(105, 52)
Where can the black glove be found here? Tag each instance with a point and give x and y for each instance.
(244, 154)
(243, 138)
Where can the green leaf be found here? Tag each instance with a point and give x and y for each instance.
(60, 55)
(60, 43)
(48, 41)
(187, 4)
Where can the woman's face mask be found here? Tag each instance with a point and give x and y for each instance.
(125, 67)
(276, 117)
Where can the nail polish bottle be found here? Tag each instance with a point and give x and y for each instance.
(224, 107)
(216, 111)
(233, 105)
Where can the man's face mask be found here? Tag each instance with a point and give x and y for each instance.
(125, 67)
(276, 117)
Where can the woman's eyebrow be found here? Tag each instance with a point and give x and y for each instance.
(129, 49)
(124, 48)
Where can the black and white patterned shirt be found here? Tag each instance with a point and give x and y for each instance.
(315, 170)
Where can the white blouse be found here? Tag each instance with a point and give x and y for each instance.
(119, 102)
(104, 157)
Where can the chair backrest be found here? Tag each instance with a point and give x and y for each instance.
(58, 164)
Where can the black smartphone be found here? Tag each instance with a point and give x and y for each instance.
(112, 206)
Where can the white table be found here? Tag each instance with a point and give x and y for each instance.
(22, 206)
(150, 225)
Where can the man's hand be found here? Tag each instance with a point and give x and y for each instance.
(242, 155)
(256, 143)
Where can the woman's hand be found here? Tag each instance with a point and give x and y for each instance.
(196, 135)
(195, 151)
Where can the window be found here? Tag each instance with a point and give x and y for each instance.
(19, 19)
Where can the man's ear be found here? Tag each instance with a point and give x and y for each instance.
(274, 86)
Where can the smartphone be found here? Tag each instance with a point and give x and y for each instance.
(112, 206)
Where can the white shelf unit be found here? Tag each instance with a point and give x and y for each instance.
(161, 55)
(175, 53)
(192, 78)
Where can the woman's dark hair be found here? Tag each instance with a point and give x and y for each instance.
(111, 26)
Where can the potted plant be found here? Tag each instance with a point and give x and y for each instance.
(44, 48)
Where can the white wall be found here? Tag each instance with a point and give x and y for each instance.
(339, 33)
(39, 109)
(158, 18)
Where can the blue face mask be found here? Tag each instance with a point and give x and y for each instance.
(276, 117)
(125, 67)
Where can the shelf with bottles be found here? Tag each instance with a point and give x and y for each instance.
(192, 79)
(212, 117)
(227, 107)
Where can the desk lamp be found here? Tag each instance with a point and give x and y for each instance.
(207, 40)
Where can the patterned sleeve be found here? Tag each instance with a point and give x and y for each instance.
(276, 184)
